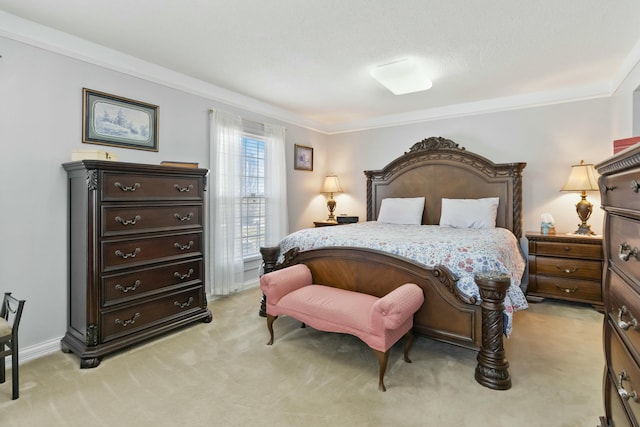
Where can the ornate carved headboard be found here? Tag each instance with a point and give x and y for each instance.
(438, 168)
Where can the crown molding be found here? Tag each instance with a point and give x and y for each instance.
(47, 38)
(34, 34)
(629, 63)
(538, 99)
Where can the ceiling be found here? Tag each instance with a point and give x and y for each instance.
(309, 60)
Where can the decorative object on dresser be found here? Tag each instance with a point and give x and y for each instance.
(623, 144)
(92, 155)
(331, 185)
(620, 198)
(136, 254)
(582, 178)
(565, 266)
(547, 224)
(179, 164)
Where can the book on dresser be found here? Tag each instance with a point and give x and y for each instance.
(136, 258)
(620, 198)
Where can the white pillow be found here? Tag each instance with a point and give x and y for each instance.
(406, 210)
(469, 213)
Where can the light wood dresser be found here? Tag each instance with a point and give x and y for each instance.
(136, 264)
(620, 195)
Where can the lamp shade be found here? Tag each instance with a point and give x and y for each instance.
(331, 185)
(583, 177)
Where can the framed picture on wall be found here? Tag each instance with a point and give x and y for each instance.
(303, 158)
(119, 122)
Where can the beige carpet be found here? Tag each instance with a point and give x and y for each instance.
(223, 374)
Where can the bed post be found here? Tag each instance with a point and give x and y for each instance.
(269, 259)
(492, 370)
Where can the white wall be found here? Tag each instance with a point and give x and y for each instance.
(549, 139)
(40, 124)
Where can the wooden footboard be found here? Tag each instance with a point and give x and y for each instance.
(446, 314)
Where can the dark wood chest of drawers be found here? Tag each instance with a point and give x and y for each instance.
(565, 266)
(619, 190)
(136, 258)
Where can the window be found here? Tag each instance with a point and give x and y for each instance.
(253, 201)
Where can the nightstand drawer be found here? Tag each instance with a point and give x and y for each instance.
(582, 290)
(571, 250)
(568, 268)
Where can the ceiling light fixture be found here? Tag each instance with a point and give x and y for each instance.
(401, 77)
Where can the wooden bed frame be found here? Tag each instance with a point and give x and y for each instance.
(435, 168)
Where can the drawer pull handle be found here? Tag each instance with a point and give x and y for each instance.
(129, 255)
(183, 305)
(624, 394)
(609, 188)
(626, 325)
(128, 221)
(183, 218)
(184, 247)
(183, 189)
(626, 252)
(128, 322)
(125, 289)
(635, 186)
(567, 290)
(567, 269)
(133, 188)
(183, 276)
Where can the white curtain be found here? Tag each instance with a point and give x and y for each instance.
(226, 263)
(225, 251)
(275, 190)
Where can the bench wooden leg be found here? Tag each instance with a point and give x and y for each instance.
(270, 320)
(408, 342)
(383, 357)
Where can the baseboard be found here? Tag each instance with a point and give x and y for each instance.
(36, 351)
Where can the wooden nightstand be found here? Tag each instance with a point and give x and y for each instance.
(565, 266)
(325, 223)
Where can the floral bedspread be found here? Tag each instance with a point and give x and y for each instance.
(464, 251)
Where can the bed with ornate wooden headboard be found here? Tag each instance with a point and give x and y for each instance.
(436, 169)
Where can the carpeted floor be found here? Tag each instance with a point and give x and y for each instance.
(223, 374)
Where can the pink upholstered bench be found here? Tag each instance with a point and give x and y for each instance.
(379, 322)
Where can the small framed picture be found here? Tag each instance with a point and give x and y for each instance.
(119, 122)
(303, 158)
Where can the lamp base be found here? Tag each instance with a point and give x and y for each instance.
(583, 208)
(331, 205)
(584, 229)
